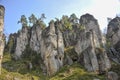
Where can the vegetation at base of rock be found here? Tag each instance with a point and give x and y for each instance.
(116, 68)
(60, 50)
(18, 69)
(75, 72)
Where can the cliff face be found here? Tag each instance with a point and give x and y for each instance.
(90, 23)
(93, 56)
(89, 46)
(52, 49)
(2, 36)
(35, 38)
(84, 39)
(21, 41)
(113, 35)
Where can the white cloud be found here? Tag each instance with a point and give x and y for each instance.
(102, 9)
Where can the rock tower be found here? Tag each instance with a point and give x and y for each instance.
(2, 11)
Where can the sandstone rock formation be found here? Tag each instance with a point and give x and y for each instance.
(35, 38)
(2, 38)
(89, 46)
(94, 57)
(21, 41)
(48, 43)
(113, 36)
(52, 49)
(84, 40)
(90, 23)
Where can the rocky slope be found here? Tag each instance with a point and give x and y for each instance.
(83, 40)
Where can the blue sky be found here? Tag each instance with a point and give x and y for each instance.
(101, 9)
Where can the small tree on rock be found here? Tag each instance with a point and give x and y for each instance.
(23, 20)
(32, 19)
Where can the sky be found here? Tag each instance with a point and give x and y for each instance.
(100, 9)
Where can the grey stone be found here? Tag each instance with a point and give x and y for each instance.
(52, 49)
(113, 35)
(21, 42)
(51, 42)
(2, 37)
(89, 45)
(112, 76)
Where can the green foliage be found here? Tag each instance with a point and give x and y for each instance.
(10, 46)
(32, 19)
(40, 21)
(73, 18)
(115, 68)
(23, 20)
(108, 43)
(82, 27)
(42, 17)
(16, 69)
(66, 23)
(31, 56)
(19, 69)
(75, 72)
(6, 75)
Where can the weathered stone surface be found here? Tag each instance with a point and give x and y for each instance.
(70, 37)
(88, 45)
(69, 60)
(112, 76)
(95, 59)
(52, 49)
(113, 32)
(51, 42)
(2, 37)
(113, 35)
(90, 23)
(22, 41)
(35, 38)
(48, 43)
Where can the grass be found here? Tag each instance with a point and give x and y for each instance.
(6, 75)
(17, 69)
(75, 72)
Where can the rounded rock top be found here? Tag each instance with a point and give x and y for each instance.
(2, 7)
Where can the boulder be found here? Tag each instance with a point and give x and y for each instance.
(112, 75)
